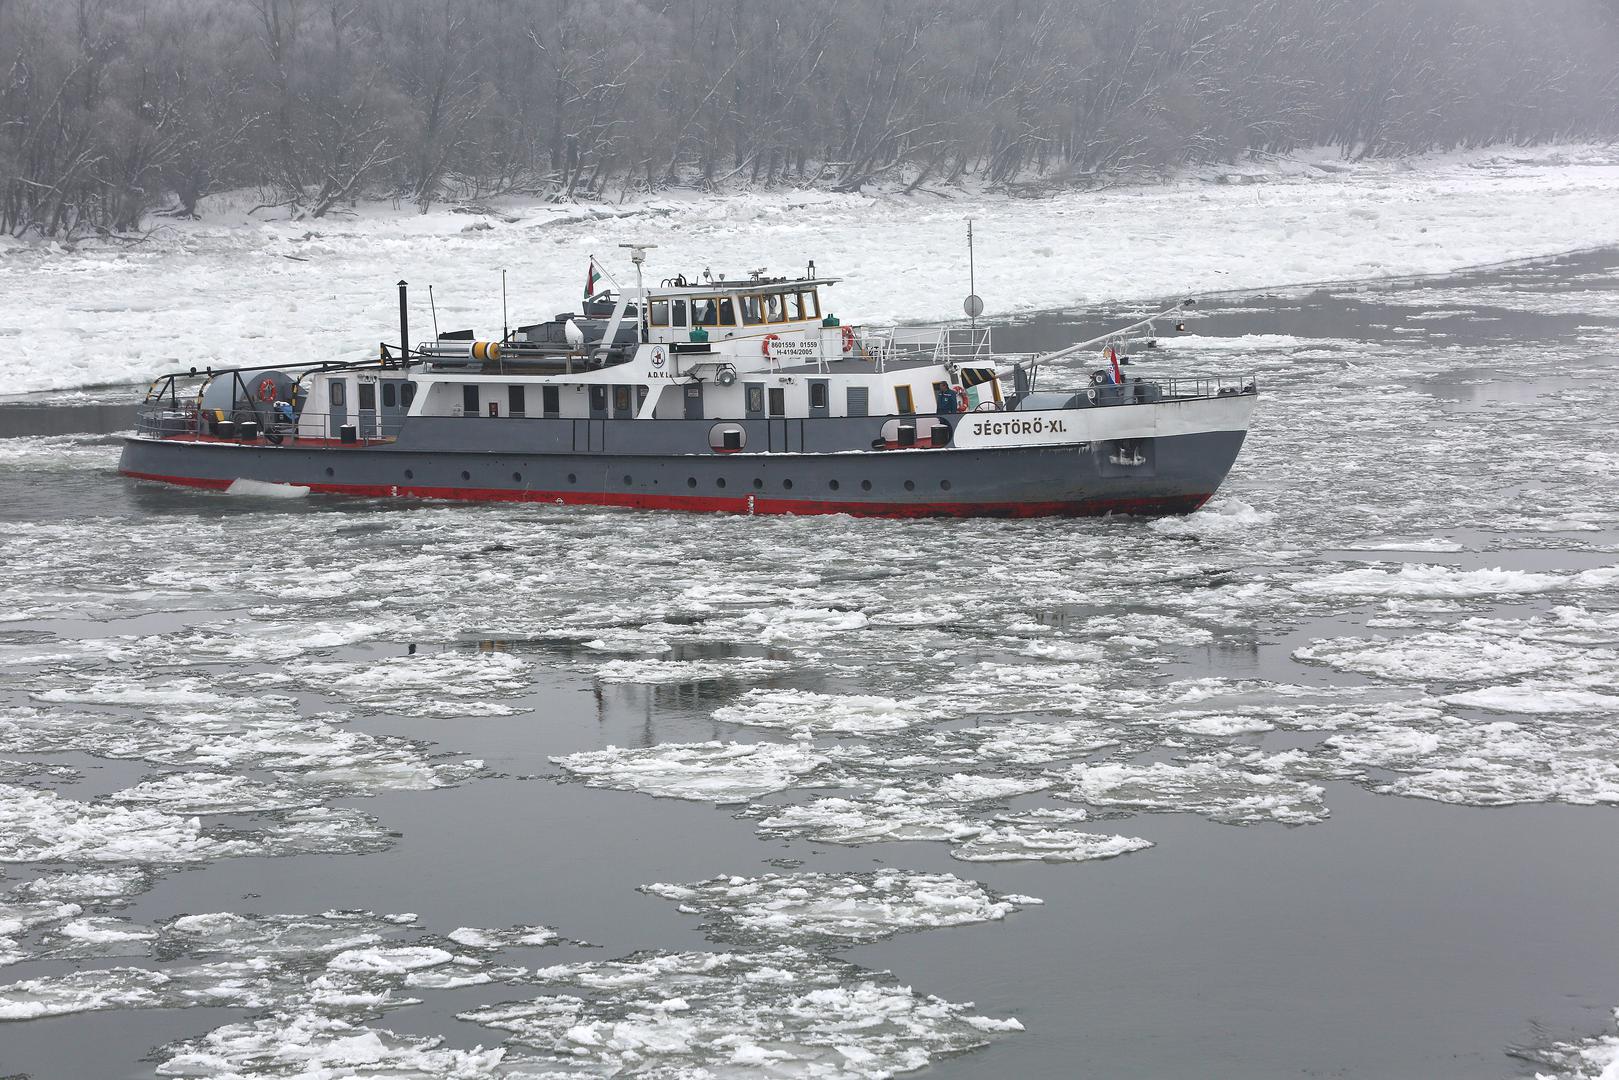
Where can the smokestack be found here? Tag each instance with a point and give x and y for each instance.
(404, 328)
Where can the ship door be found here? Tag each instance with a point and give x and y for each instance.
(694, 401)
(337, 406)
(395, 403)
(859, 401)
(367, 418)
(819, 398)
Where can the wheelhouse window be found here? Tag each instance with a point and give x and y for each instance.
(752, 311)
(677, 313)
(811, 301)
(773, 308)
(902, 400)
(795, 306)
(659, 310)
(727, 312)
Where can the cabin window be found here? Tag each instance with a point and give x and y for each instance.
(550, 400)
(817, 395)
(677, 313)
(516, 403)
(368, 396)
(390, 396)
(773, 308)
(795, 307)
(727, 312)
(704, 312)
(752, 312)
(660, 312)
(407, 394)
(469, 399)
(338, 399)
(812, 305)
(902, 400)
(778, 401)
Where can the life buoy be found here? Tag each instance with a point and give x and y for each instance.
(266, 389)
(848, 339)
(764, 346)
(961, 398)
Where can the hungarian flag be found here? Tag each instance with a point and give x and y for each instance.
(1113, 358)
(592, 276)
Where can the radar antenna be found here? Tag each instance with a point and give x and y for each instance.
(638, 256)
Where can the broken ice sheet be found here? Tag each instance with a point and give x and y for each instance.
(847, 907)
(781, 1013)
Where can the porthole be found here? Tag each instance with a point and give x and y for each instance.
(910, 485)
(720, 482)
(465, 475)
(944, 485)
(758, 484)
(410, 474)
(329, 471)
(833, 484)
(691, 481)
(626, 479)
(787, 485)
(865, 485)
(517, 477)
(572, 479)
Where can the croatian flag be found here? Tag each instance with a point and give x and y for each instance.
(592, 276)
(1113, 358)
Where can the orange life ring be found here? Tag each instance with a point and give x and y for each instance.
(848, 339)
(764, 346)
(961, 399)
(266, 390)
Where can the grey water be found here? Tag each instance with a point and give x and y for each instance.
(1431, 938)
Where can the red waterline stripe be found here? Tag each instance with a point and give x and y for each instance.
(735, 504)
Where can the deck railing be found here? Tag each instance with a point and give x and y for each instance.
(165, 420)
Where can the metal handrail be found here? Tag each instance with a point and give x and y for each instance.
(160, 420)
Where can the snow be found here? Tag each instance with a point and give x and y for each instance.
(197, 292)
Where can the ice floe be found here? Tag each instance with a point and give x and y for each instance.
(844, 907)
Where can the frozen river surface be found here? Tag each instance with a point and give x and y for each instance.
(1315, 782)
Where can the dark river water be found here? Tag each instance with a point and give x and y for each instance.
(1316, 782)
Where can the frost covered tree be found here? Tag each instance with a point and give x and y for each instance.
(111, 110)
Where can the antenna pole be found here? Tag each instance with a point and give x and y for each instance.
(434, 308)
(972, 274)
(504, 333)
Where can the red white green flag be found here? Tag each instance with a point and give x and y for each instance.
(592, 276)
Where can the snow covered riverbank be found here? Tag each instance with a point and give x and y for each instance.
(230, 289)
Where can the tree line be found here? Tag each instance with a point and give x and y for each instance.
(114, 110)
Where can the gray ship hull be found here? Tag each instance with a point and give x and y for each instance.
(656, 465)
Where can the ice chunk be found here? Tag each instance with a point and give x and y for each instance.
(716, 772)
(845, 907)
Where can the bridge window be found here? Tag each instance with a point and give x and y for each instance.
(712, 311)
(812, 304)
(752, 310)
(773, 308)
(659, 312)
